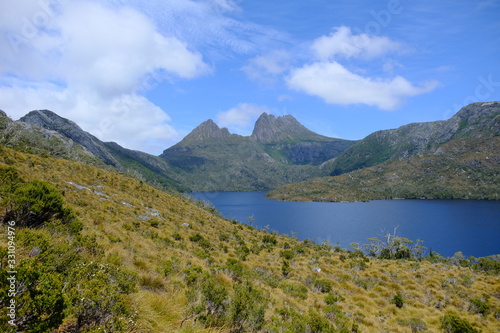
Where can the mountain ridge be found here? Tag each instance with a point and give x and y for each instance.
(476, 120)
(280, 150)
(418, 160)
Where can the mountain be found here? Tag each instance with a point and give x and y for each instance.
(477, 120)
(43, 131)
(51, 121)
(454, 159)
(279, 151)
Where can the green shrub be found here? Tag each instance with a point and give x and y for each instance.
(269, 239)
(322, 286)
(333, 298)
(208, 302)
(451, 323)
(479, 306)
(196, 238)
(285, 268)
(35, 203)
(247, 310)
(40, 306)
(398, 300)
(287, 254)
(96, 296)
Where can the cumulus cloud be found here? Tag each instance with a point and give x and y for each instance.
(240, 117)
(328, 79)
(343, 43)
(336, 85)
(83, 59)
(129, 119)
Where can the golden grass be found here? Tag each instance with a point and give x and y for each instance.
(430, 290)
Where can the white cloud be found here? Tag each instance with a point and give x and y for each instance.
(325, 77)
(129, 119)
(96, 58)
(240, 117)
(267, 68)
(342, 43)
(336, 85)
(209, 25)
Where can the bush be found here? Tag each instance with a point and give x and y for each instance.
(209, 301)
(35, 203)
(269, 239)
(451, 323)
(247, 308)
(479, 306)
(333, 298)
(89, 283)
(287, 254)
(40, 307)
(322, 286)
(398, 300)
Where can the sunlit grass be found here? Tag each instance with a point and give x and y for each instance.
(160, 253)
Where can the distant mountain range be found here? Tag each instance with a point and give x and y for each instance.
(279, 151)
(458, 158)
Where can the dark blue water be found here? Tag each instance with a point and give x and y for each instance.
(446, 226)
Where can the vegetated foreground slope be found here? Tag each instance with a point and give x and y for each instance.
(104, 252)
(44, 132)
(460, 169)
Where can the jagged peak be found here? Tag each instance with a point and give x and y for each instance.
(207, 130)
(52, 121)
(270, 128)
(49, 119)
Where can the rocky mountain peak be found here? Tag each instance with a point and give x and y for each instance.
(52, 121)
(207, 130)
(269, 128)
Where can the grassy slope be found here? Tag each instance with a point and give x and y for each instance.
(460, 169)
(162, 253)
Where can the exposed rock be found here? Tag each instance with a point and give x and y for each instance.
(50, 120)
(477, 120)
(207, 130)
(280, 150)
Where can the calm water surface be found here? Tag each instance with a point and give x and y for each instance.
(446, 226)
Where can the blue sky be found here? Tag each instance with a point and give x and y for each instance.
(145, 73)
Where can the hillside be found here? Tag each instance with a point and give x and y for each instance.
(45, 132)
(476, 120)
(459, 169)
(279, 151)
(98, 251)
(454, 159)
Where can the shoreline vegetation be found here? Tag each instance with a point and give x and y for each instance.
(99, 251)
(460, 169)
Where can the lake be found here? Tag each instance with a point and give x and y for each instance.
(446, 226)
